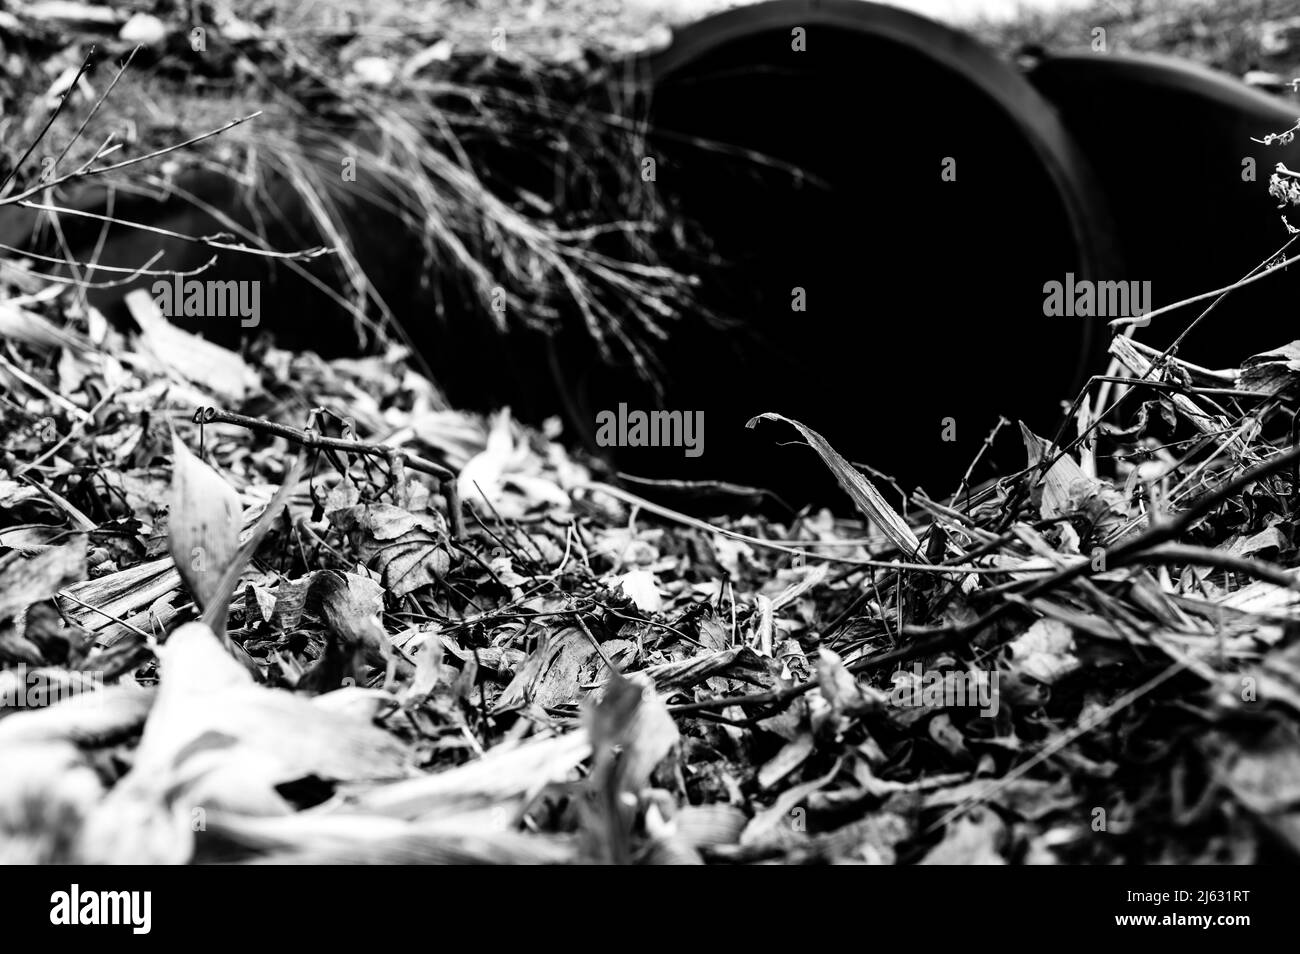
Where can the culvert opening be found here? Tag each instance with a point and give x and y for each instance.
(877, 299)
(1178, 151)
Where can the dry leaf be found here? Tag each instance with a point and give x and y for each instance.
(551, 676)
(1272, 372)
(1045, 651)
(353, 609)
(204, 524)
(215, 740)
(218, 369)
(27, 581)
(641, 587)
(486, 791)
(631, 732)
(863, 492)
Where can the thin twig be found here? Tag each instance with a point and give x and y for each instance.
(445, 476)
(125, 163)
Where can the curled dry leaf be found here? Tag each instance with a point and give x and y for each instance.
(408, 550)
(631, 718)
(217, 740)
(552, 674)
(20, 325)
(631, 732)
(353, 607)
(507, 474)
(841, 689)
(1045, 651)
(862, 491)
(485, 792)
(1067, 490)
(641, 587)
(204, 524)
(1061, 476)
(194, 358)
(1273, 372)
(428, 663)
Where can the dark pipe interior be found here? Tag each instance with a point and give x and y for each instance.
(924, 297)
(208, 204)
(1167, 141)
(301, 308)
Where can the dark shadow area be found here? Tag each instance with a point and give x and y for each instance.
(1168, 140)
(924, 297)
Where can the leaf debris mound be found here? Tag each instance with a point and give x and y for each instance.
(223, 643)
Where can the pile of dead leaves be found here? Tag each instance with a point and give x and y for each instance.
(336, 621)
